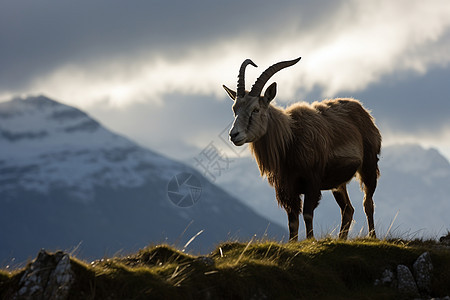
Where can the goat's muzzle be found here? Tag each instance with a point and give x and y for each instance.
(236, 137)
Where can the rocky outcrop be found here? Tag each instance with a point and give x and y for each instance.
(49, 276)
(414, 284)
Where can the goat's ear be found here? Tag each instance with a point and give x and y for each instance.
(270, 92)
(230, 93)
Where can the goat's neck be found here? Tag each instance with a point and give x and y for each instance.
(271, 148)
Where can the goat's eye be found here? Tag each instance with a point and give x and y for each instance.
(255, 111)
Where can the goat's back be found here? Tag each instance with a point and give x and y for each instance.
(334, 127)
(352, 111)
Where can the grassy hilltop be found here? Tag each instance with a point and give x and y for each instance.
(324, 269)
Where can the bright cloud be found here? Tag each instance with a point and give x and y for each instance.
(352, 48)
(146, 79)
(370, 39)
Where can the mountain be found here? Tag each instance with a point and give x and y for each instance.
(414, 185)
(66, 182)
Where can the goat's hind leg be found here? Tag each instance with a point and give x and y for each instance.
(369, 210)
(342, 199)
(312, 199)
(369, 177)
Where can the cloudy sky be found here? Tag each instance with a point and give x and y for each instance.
(153, 70)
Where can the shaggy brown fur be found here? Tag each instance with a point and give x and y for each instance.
(308, 148)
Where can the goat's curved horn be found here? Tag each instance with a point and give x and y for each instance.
(241, 77)
(269, 72)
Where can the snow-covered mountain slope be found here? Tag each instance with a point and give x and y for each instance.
(414, 182)
(45, 144)
(66, 180)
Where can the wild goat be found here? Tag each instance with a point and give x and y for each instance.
(304, 148)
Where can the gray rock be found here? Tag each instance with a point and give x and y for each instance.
(49, 277)
(423, 271)
(387, 279)
(406, 283)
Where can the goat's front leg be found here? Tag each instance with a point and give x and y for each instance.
(293, 225)
(312, 199)
(291, 202)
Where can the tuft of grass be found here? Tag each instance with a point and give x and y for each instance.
(320, 269)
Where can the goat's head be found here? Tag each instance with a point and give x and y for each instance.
(251, 108)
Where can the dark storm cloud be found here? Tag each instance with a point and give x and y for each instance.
(38, 36)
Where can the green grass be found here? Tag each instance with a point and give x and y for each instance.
(324, 269)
